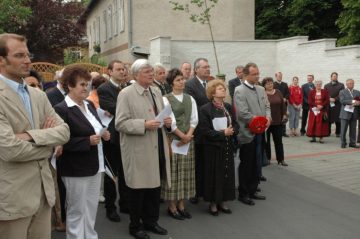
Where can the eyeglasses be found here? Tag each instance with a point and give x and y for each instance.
(21, 56)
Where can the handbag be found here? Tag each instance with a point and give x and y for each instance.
(325, 117)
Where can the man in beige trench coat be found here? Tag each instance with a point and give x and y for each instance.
(144, 149)
(29, 129)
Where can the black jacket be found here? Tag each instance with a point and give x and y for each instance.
(79, 158)
(55, 96)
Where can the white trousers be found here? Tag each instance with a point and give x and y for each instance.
(82, 198)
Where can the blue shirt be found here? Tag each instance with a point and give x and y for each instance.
(22, 91)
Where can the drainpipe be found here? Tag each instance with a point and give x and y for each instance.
(130, 30)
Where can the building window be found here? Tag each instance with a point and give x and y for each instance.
(116, 17)
(109, 22)
(121, 19)
(105, 25)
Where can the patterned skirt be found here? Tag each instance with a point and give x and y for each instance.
(182, 177)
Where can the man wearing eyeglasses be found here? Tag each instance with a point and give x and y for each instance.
(29, 130)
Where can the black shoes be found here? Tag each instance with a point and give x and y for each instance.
(156, 229)
(262, 178)
(313, 140)
(140, 234)
(185, 213)
(113, 216)
(343, 146)
(246, 200)
(282, 163)
(224, 210)
(194, 200)
(354, 146)
(286, 135)
(214, 213)
(257, 196)
(176, 215)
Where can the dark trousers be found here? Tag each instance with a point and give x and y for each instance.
(276, 132)
(199, 169)
(260, 153)
(304, 118)
(248, 171)
(113, 157)
(144, 205)
(351, 124)
(62, 195)
(337, 129)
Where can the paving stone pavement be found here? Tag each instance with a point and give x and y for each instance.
(317, 196)
(326, 163)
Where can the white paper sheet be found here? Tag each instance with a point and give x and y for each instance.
(349, 108)
(105, 119)
(53, 160)
(109, 173)
(102, 131)
(219, 123)
(332, 104)
(166, 112)
(183, 150)
(315, 110)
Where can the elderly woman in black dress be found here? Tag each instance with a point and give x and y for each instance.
(218, 127)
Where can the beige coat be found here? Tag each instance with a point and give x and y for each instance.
(24, 166)
(139, 147)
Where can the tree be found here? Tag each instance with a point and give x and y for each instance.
(286, 18)
(13, 15)
(315, 19)
(53, 27)
(270, 19)
(203, 17)
(349, 23)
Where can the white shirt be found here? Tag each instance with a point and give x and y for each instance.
(194, 114)
(202, 81)
(248, 84)
(94, 123)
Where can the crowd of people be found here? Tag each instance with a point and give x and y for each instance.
(171, 136)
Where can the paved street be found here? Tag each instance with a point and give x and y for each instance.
(317, 196)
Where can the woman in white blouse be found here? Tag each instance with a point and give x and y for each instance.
(82, 161)
(185, 120)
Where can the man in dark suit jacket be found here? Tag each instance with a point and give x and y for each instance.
(196, 87)
(306, 88)
(284, 89)
(108, 93)
(236, 81)
(56, 94)
(334, 87)
(160, 79)
(349, 113)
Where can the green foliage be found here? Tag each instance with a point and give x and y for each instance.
(286, 18)
(13, 15)
(349, 23)
(313, 18)
(70, 58)
(199, 11)
(270, 19)
(204, 6)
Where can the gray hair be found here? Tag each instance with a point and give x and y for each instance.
(318, 82)
(239, 67)
(138, 65)
(196, 63)
(158, 66)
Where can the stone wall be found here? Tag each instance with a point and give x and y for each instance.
(294, 56)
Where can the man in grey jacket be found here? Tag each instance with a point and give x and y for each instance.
(349, 113)
(250, 100)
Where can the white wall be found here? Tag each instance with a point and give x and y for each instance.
(293, 56)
